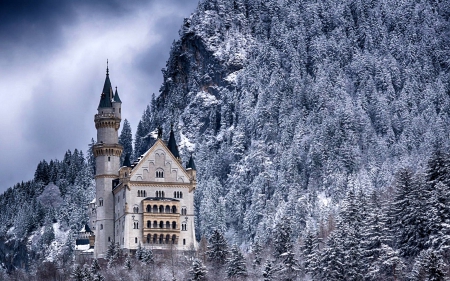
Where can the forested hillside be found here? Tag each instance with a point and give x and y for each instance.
(41, 218)
(307, 109)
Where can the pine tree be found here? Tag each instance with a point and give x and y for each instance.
(198, 271)
(127, 264)
(217, 248)
(77, 273)
(429, 265)
(257, 254)
(282, 236)
(147, 256)
(236, 266)
(140, 252)
(268, 271)
(98, 277)
(290, 267)
(111, 254)
(95, 267)
(126, 140)
(389, 265)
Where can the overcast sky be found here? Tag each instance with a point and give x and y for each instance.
(52, 69)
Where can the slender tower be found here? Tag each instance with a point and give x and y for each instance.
(107, 153)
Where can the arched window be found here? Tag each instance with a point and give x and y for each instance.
(181, 195)
(149, 237)
(174, 225)
(167, 209)
(159, 173)
(155, 224)
(183, 227)
(149, 209)
(136, 209)
(155, 238)
(101, 226)
(168, 239)
(174, 194)
(161, 224)
(149, 224)
(174, 209)
(139, 193)
(100, 202)
(183, 211)
(168, 224)
(161, 239)
(174, 239)
(161, 209)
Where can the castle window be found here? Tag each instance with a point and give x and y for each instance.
(174, 225)
(149, 236)
(174, 239)
(181, 195)
(109, 239)
(174, 209)
(149, 224)
(183, 227)
(100, 202)
(136, 225)
(101, 226)
(155, 224)
(168, 224)
(161, 224)
(160, 173)
(155, 209)
(136, 209)
(161, 209)
(160, 194)
(149, 209)
(178, 194)
(184, 241)
(135, 240)
(109, 158)
(167, 209)
(183, 211)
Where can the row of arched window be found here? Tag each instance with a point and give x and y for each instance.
(178, 194)
(159, 173)
(161, 224)
(160, 194)
(135, 225)
(161, 239)
(161, 209)
(142, 193)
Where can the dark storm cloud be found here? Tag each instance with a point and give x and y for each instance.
(52, 68)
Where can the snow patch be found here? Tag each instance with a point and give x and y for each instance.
(323, 199)
(207, 98)
(185, 142)
(232, 77)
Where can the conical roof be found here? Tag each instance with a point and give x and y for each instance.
(191, 164)
(172, 145)
(106, 96)
(116, 97)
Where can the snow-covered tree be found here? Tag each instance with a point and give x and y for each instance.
(236, 266)
(198, 271)
(217, 248)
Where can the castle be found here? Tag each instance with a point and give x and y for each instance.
(148, 203)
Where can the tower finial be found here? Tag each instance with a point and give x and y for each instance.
(107, 69)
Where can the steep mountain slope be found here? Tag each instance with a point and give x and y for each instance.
(287, 104)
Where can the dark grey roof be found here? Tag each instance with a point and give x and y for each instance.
(85, 229)
(105, 98)
(172, 145)
(82, 241)
(191, 164)
(116, 97)
(126, 161)
(160, 199)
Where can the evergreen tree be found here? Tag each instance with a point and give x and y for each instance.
(236, 266)
(268, 271)
(257, 254)
(127, 264)
(198, 271)
(282, 236)
(126, 140)
(140, 252)
(290, 267)
(388, 266)
(95, 267)
(429, 265)
(217, 248)
(98, 277)
(147, 256)
(77, 273)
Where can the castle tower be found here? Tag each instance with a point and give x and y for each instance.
(107, 153)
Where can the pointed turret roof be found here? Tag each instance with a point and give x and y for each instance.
(191, 164)
(126, 162)
(116, 96)
(107, 93)
(172, 145)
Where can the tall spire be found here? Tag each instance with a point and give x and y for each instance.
(107, 93)
(116, 96)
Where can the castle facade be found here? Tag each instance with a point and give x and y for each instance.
(149, 202)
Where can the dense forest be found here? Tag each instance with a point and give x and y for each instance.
(320, 132)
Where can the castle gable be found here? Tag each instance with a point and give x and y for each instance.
(159, 165)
